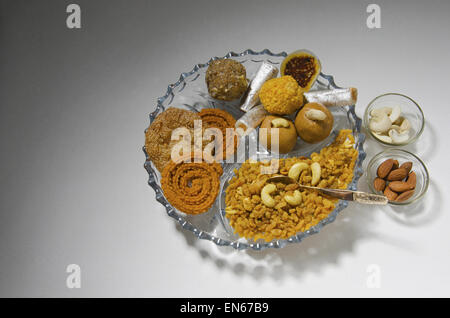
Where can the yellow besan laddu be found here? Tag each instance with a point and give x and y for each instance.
(282, 95)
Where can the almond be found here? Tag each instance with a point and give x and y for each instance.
(384, 169)
(405, 196)
(391, 195)
(379, 184)
(407, 166)
(400, 186)
(412, 179)
(395, 165)
(397, 174)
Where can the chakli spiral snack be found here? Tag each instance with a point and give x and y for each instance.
(191, 187)
(217, 118)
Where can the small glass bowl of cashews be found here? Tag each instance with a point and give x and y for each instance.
(394, 119)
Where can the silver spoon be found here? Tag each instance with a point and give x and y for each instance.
(348, 195)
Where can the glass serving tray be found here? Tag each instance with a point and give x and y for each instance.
(190, 92)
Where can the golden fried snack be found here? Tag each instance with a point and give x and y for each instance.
(158, 143)
(217, 118)
(257, 209)
(191, 187)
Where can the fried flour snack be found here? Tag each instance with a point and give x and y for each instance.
(191, 186)
(217, 118)
(293, 209)
(158, 143)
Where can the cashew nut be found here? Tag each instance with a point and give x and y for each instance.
(266, 198)
(348, 143)
(315, 114)
(399, 121)
(378, 112)
(395, 114)
(380, 124)
(389, 126)
(405, 125)
(398, 137)
(315, 169)
(294, 199)
(384, 138)
(296, 169)
(280, 122)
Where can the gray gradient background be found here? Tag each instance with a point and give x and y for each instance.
(74, 105)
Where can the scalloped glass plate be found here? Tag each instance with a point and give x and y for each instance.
(190, 92)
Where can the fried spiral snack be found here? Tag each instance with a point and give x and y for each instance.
(191, 187)
(217, 118)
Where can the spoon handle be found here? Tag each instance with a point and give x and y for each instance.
(343, 194)
(349, 195)
(368, 198)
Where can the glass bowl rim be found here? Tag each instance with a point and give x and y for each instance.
(411, 140)
(383, 153)
(279, 243)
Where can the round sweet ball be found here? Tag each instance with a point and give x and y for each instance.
(287, 135)
(314, 123)
(282, 95)
(226, 79)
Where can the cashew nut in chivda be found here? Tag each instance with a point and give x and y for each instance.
(316, 171)
(296, 169)
(294, 199)
(266, 197)
(314, 122)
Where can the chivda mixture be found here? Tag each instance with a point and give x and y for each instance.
(260, 210)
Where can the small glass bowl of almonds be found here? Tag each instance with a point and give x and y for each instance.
(398, 174)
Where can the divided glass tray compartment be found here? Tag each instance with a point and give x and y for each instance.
(190, 93)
